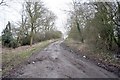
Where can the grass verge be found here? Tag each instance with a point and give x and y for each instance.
(13, 57)
(104, 59)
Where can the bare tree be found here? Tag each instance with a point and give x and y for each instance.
(34, 11)
(49, 20)
(2, 2)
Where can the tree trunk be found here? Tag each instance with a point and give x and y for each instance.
(31, 36)
(118, 46)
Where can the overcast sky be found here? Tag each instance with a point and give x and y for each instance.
(12, 12)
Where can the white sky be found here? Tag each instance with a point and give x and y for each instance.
(12, 12)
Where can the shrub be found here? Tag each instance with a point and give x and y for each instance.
(25, 40)
(52, 34)
(38, 37)
(7, 37)
(47, 35)
(14, 43)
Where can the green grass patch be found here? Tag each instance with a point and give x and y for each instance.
(13, 57)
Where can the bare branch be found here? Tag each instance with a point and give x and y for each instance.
(1, 2)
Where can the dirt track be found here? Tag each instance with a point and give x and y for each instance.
(56, 62)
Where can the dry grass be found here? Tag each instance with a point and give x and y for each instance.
(87, 49)
(14, 57)
(99, 56)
